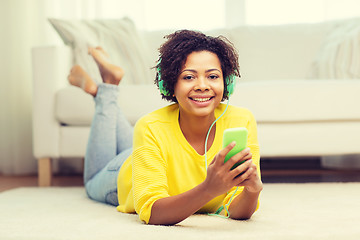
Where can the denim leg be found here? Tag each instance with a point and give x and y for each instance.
(108, 147)
(102, 146)
(103, 186)
(124, 132)
(110, 132)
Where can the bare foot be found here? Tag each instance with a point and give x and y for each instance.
(110, 73)
(78, 77)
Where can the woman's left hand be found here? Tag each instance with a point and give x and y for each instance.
(249, 177)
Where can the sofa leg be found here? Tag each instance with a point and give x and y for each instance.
(82, 164)
(44, 172)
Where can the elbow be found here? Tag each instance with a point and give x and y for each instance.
(164, 219)
(244, 216)
(162, 222)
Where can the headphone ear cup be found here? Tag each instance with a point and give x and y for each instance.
(230, 84)
(162, 89)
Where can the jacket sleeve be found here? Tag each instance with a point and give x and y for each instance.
(149, 172)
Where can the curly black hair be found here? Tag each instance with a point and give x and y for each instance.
(174, 52)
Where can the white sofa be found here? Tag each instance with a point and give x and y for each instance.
(299, 113)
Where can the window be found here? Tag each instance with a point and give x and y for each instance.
(205, 14)
(265, 12)
(165, 14)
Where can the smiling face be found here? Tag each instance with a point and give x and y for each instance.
(200, 85)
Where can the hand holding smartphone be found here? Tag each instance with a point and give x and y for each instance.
(239, 135)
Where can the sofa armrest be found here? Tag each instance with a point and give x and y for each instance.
(50, 66)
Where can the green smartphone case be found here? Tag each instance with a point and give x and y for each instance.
(239, 135)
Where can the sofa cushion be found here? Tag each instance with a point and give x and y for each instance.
(339, 55)
(277, 52)
(76, 108)
(118, 37)
(300, 100)
(270, 101)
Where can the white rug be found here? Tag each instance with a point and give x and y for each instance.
(287, 211)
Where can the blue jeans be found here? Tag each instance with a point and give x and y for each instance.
(109, 145)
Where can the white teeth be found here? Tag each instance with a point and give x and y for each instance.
(201, 99)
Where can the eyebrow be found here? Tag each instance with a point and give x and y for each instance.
(193, 70)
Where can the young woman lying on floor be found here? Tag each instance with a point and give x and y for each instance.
(171, 165)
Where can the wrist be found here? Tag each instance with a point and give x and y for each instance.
(205, 191)
(252, 190)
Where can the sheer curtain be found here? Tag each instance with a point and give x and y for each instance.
(23, 25)
(19, 31)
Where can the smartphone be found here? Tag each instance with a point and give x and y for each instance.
(239, 135)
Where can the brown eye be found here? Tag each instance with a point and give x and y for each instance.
(189, 77)
(213, 77)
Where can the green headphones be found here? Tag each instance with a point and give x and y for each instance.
(230, 83)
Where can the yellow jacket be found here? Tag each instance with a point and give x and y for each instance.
(164, 164)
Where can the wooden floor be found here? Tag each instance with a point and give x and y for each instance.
(310, 176)
(303, 170)
(10, 182)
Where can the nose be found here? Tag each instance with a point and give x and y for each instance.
(202, 84)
